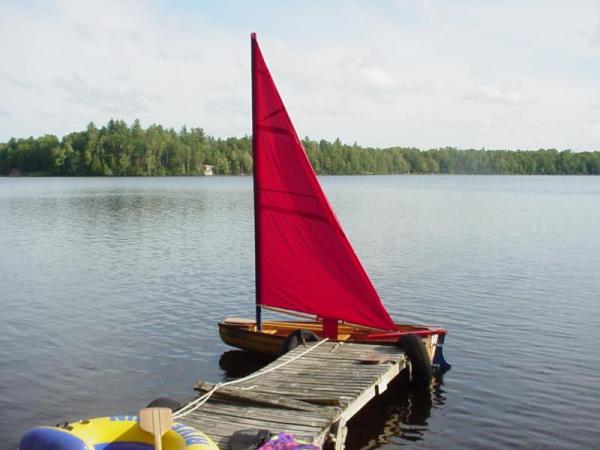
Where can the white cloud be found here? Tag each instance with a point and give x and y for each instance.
(594, 36)
(14, 82)
(115, 99)
(414, 73)
(593, 129)
(378, 78)
(494, 94)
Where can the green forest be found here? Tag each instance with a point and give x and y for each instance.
(122, 150)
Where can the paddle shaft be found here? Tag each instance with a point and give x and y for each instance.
(157, 442)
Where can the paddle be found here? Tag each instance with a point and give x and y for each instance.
(156, 421)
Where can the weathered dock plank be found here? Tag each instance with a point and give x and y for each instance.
(313, 396)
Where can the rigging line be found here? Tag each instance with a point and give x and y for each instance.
(194, 405)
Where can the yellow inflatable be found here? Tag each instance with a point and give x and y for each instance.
(112, 433)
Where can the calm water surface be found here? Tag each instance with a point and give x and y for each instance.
(110, 290)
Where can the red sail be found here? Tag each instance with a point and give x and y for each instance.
(304, 261)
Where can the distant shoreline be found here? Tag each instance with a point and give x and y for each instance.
(118, 149)
(319, 174)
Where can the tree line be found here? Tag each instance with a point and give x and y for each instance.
(122, 150)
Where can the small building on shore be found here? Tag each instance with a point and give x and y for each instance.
(208, 170)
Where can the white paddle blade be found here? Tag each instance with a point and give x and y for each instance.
(156, 421)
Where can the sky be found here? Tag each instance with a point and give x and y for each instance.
(412, 73)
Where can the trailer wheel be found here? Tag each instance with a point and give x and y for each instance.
(295, 338)
(421, 372)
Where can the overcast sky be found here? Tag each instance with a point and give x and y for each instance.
(470, 74)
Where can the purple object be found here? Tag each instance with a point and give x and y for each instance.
(284, 441)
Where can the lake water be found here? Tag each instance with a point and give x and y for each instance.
(111, 288)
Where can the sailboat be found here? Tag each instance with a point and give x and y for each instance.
(304, 262)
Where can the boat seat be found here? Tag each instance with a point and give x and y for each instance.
(344, 337)
(239, 320)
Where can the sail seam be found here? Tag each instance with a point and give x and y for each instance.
(274, 130)
(274, 113)
(295, 212)
(281, 191)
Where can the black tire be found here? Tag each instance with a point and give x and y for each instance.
(421, 370)
(164, 402)
(248, 439)
(295, 338)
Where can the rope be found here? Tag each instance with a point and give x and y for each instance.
(194, 405)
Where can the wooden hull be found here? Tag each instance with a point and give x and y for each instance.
(242, 334)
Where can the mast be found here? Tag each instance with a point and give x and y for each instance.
(253, 48)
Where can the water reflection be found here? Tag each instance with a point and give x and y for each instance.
(399, 414)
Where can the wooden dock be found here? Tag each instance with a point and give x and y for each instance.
(311, 397)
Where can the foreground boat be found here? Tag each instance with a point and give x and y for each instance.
(114, 433)
(304, 262)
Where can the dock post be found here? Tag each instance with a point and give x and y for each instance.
(339, 431)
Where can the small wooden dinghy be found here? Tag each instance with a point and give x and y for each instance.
(114, 433)
(303, 260)
(278, 337)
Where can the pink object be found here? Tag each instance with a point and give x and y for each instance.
(304, 261)
(284, 441)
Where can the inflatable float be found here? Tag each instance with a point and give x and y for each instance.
(112, 433)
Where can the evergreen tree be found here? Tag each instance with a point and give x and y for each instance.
(119, 149)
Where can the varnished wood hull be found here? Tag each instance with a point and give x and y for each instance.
(242, 334)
